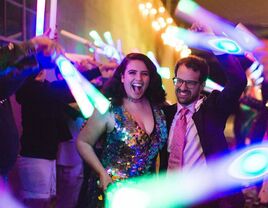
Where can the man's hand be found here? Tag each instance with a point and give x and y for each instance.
(105, 180)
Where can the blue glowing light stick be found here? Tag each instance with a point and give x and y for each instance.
(71, 75)
(76, 38)
(97, 39)
(250, 165)
(100, 102)
(204, 41)
(256, 72)
(40, 17)
(192, 12)
(183, 188)
(83, 91)
(108, 38)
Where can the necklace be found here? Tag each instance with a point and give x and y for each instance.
(2, 101)
(134, 100)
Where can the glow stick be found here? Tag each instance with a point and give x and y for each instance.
(108, 38)
(111, 52)
(256, 70)
(109, 49)
(97, 39)
(211, 85)
(40, 17)
(164, 72)
(187, 187)
(83, 91)
(204, 41)
(97, 99)
(71, 75)
(253, 66)
(119, 49)
(53, 18)
(75, 37)
(245, 38)
(257, 73)
(192, 12)
(259, 81)
(77, 57)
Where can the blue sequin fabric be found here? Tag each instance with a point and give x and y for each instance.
(129, 151)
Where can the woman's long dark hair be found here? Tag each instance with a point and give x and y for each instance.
(114, 88)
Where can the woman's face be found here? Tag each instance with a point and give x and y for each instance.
(136, 79)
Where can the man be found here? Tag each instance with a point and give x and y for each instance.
(206, 116)
(17, 62)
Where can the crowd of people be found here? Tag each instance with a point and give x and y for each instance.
(70, 161)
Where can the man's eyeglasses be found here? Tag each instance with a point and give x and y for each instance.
(189, 83)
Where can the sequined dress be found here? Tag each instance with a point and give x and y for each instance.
(128, 150)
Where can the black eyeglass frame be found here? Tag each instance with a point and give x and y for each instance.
(189, 83)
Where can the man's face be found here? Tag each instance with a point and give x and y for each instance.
(189, 91)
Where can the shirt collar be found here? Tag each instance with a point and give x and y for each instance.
(193, 107)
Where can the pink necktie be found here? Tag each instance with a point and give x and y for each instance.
(178, 141)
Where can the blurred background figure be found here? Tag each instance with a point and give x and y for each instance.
(43, 127)
(17, 62)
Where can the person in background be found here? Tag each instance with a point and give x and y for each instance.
(246, 113)
(43, 128)
(133, 129)
(261, 53)
(17, 62)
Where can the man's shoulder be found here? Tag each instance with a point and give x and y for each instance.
(170, 109)
(169, 106)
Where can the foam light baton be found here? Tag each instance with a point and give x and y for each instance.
(85, 94)
(108, 49)
(211, 85)
(53, 18)
(204, 41)
(40, 17)
(70, 74)
(76, 38)
(96, 98)
(192, 12)
(187, 187)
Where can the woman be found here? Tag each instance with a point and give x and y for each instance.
(134, 127)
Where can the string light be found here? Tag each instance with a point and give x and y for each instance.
(160, 20)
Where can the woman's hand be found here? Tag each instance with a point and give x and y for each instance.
(105, 180)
